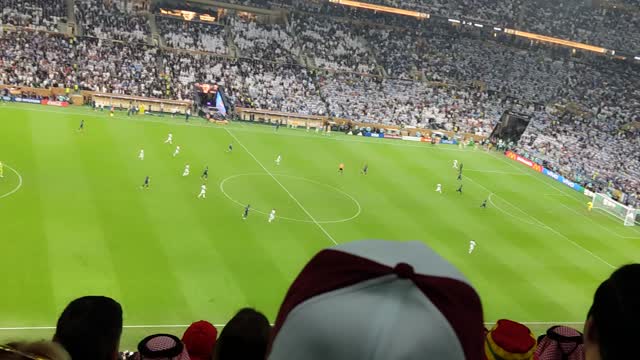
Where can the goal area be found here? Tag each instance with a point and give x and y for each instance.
(627, 214)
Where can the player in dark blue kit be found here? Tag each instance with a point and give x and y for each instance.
(230, 148)
(484, 204)
(365, 169)
(81, 125)
(460, 189)
(460, 176)
(246, 212)
(278, 123)
(205, 173)
(145, 185)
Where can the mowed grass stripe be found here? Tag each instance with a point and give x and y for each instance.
(177, 260)
(536, 277)
(421, 193)
(564, 221)
(146, 270)
(27, 288)
(73, 228)
(493, 238)
(252, 273)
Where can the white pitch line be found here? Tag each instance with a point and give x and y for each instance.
(544, 323)
(510, 214)
(550, 228)
(597, 223)
(243, 128)
(29, 328)
(497, 172)
(549, 184)
(358, 211)
(19, 182)
(283, 188)
(522, 170)
(16, 328)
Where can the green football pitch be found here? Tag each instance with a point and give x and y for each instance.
(74, 219)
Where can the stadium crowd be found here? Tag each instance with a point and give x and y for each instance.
(333, 45)
(437, 314)
(111, 20)
(422, 75)
(608, 25)
(269, 42)
(192, 35)
(37, 14)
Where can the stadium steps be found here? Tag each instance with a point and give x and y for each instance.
(71, 20)
(231, 45)
(155, 38)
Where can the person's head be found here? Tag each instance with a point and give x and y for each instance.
(245, 337)
(200, 340)
(379, 300)
(162, 347)
(610, 331)
(89, 328)
(39, 350)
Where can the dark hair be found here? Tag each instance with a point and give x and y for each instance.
(615, 314)
(89, 328)
(245, 337)
(33, 350)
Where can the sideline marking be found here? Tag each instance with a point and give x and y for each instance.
(300, 178)
(597, 223)
(497, 172)
(283, 187)
(223, 325)
(549, 184)
(19, 182)
(550, 228)
(243, 127)
(510, 214)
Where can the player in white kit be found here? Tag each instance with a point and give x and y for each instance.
(439, 188)
(141, 154)
(472, 245)
(272, 215)
(455, 164)
(177, 151)
(169, 139)
(186, 170)
(278, 159)
(203, 192)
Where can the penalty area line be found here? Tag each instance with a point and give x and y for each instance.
(283, 187)
(17, 187)
(547, 227)
(181, 326)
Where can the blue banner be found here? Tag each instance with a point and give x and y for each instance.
(220, 104)
(562, 179)
(19, 99)
(449, 142)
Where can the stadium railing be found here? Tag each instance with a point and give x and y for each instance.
(269, 116)
(149, 104)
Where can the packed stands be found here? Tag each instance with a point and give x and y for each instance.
(269, 42)
(192, 35)
(111, 20)
(602, 25)
(333, 45)
(38, 14)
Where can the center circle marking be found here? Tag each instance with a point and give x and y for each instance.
(223, 182)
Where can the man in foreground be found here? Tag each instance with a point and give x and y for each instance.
(90, 328)
(610, 332)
